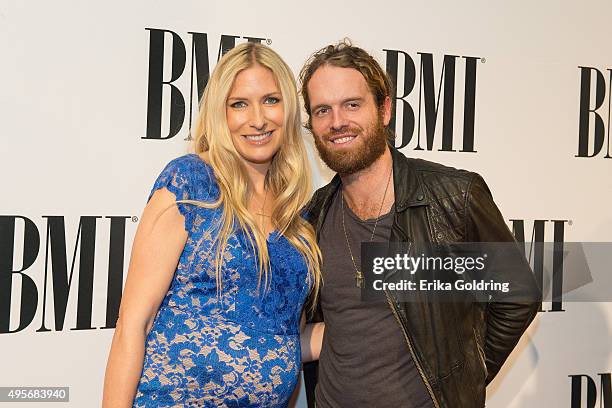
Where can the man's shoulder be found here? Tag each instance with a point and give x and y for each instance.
(323, 190)
(441, 177)
(432, 169)
(319, 197)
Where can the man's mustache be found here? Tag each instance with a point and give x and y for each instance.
(343, 131)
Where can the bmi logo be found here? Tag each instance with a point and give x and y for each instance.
(535, 254)
(436, 100)
(60, 275)
(594, 119)
(590, 399)
(163, 87)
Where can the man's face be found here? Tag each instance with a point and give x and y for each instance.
(347, 125)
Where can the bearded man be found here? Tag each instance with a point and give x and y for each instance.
(393, 354)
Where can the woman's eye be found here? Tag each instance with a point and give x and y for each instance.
(271, 100)
(239, 104)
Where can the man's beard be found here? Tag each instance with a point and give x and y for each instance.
(351, 161)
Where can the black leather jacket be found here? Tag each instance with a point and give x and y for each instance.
(458, 347)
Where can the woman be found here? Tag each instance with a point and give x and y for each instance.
(222, 261)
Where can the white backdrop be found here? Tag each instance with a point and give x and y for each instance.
(74, 113)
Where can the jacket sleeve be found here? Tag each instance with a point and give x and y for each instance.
(507, 318)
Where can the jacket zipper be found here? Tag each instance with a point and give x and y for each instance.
(416, 361)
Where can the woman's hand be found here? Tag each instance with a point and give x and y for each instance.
(157, 247)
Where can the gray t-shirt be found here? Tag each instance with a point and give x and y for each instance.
(365, 361)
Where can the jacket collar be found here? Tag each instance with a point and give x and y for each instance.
(408, 187)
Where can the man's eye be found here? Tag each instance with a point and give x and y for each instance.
(321, 111)
(238, 105)
(271, 100)
(353, 105)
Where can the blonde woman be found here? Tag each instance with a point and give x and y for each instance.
(222, 260)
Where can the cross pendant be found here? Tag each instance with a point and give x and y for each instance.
(359, 280)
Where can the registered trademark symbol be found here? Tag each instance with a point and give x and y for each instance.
(570, 222)
(483, 60)
(134, 219)
(268, 41)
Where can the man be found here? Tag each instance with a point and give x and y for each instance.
(392, 354)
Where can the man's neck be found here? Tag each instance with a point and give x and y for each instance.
(365, 189)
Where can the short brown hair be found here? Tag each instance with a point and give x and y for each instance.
(346, 55)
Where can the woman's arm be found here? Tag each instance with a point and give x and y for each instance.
(158, 244)
(311, 339)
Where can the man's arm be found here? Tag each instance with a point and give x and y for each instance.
(506, 319)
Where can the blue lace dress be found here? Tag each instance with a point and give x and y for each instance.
(241, 349)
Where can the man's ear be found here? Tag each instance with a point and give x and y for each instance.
(386, 108)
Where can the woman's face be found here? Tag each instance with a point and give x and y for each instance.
(255, 115)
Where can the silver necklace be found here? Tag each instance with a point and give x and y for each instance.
(359, 279)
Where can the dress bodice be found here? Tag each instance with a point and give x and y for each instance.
(194, 288)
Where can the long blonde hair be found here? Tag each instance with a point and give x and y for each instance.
(288, 179)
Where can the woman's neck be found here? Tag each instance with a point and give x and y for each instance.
(256, 173)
